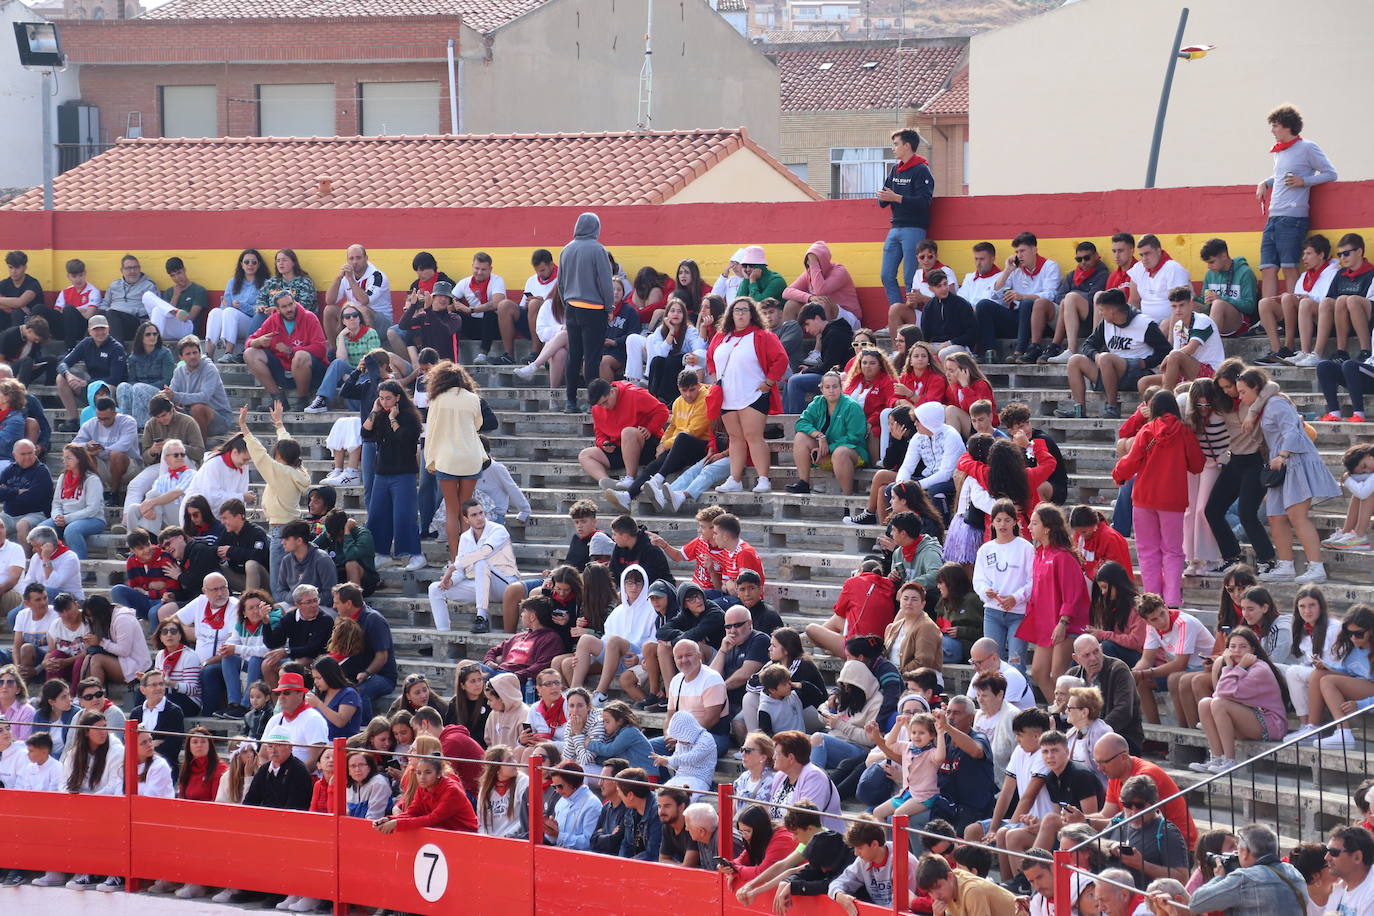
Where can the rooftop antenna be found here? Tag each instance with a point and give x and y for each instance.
(646, 76)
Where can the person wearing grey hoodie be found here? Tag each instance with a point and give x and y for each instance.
(584, 285)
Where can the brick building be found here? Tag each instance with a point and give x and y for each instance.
(208, 68)
(840, 103)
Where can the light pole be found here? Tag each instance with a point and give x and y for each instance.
(1176, 52)
(39, 50)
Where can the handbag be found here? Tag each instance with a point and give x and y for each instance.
(1270, 478)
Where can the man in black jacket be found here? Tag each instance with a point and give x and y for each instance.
(190, 562)
(947, 320)
(300, 635)
(834, 347)
(284, 783)
(632, 545)
(908, 190)
(1112, 677)
(242, 550)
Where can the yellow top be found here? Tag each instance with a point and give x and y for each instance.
(688, 418)
(281, 499)
(979, 897)
(451, 443)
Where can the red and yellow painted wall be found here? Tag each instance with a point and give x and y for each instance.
(661, 236)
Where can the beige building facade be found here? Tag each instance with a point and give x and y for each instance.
(1066, 101)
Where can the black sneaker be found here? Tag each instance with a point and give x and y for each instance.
(232, 711)
(1265, 566)
(1271, 358)
(1229, 564)
(502, 360)
(67, 426)
(801, 486)
(571, 407)
(659, 705)
(1051, 351)
(319, 405)
(1111, 412)
(1017, 358)
(1362, 356)
(1340, 356)
(1032, 355)
(652, 699)
(481, 625)
(1285, 353)
(863, 518)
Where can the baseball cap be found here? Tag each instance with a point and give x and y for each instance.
(98, 321)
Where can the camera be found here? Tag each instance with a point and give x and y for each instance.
(1229, 861)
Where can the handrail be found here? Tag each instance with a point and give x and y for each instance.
(1229, 771)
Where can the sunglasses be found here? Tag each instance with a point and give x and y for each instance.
(735, 626)
(1354, 634)
(1334, 853)
(749, 750)
(99, 694)
(176, 454)
(1346, 253)
(8, 682)
(348, 315)
(167, 630)
(1080, 258)
(416, 679)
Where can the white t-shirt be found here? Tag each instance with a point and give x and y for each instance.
(1356, 901)
(977, 288)
(11, 555)
(1211, 353)
(34, 632)
(1181, 639)
(463, 290)
(208, 639)
(541, 288)
(61, 639)
(1154, 290)
(737, 364)
(986, 725)
(308, 727)
(1025, 766)
(1317, 291)
(1018, 689)
(706, 689)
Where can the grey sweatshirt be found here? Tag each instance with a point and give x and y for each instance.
(119, 436)
(317, 570)
(584, 268)
(204, 386)
(1306, 160)
(128, 297)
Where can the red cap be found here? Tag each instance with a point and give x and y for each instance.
(290, 680)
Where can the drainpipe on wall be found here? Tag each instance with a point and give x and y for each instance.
(454, 125)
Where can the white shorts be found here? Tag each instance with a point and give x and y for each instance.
(346, 433)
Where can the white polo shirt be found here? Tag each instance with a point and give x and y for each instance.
(308, 727)
(378, 289)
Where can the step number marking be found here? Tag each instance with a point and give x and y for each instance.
(431, 872)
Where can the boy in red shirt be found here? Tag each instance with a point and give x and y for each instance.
(701, 550)
(736, 555)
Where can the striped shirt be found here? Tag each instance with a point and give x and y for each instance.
(1214, 438)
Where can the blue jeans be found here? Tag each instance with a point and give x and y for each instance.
(130, 597)
(799, 388)
(899, 248)
(233, 666)
(392, 515)
(1123, 511)
(429, 498)
(333, 376)
(211, 688)
(997, 319)
(875, 787)
(701, 476)
(75, 533)
(275, 551)
(953, 650)
(1282, 241)
(834, 750)
(1129, 656)
(369, 470)
(1000, 627)
(374, 687)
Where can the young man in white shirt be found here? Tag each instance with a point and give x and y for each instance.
(484, 566)
(978, 285)
(522, 317)
(1297, 310)
(307, 728)
(478, 298)
(1152, 277)
(1026, 278)
(83, 300)
(358, 283)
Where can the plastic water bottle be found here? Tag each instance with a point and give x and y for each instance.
(530, 695)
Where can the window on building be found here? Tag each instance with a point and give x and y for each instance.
(393, 109)
(189, 111)
(296, 110)
(801, 169)
(857, 171)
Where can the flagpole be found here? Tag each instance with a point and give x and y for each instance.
(1153, 165)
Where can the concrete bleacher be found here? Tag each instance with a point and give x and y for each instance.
(806, 550)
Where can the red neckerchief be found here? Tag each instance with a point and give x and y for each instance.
(61, 549)
(991, 273)
(362, 331)
(909, 552)
(1280, 147)
(1121, 276)
(1040, 260)
(252, 628)
(1080, 275)
(169, 662)
(1307, 628)
(227, 456)
(938, 266)
(291, 716)
(1173, 621)
(912, 163)
(1309, 278)
(1163, 259)
(200, 530)
(746, 332)
(556, 715)
(215, 616)
(553, 276)
(176, 474)
(1364, 268)
(71, 485)
(480, 289)
(428, 285)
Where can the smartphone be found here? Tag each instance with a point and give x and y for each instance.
(1125, 851)
(1063, 806)
(722, 861)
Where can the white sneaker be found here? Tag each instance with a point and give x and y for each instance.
(617, 498)
(334, 477)
(1282, 572)
(190, 891)
(678, 497)
(162, 887)
(1221, 764)
(1305, 360)
(380, 559)
(480, 360)
(351, 477)
(1341, 737)
(658, 491)
(1061, 357)
(763, 486)
(1340, 537)
(223, 896)
(81, 883)
(288, 903)
(625, 482)
(1204, 766)
(111, 884)
(50, 879)
(730, 486)
(1315, 572)
(417, 562)
(526, 372)
(599, 699)
(303, 905)
(1303, 732)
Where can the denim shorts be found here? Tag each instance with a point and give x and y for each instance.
(1282, 242)
(440, 475)
(1135, 371)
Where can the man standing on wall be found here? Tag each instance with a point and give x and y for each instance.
(908, 190)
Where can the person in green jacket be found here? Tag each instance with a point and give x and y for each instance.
(1229, 290)
(350, 546)
(832, 433)
(760, 283)
(917, 556)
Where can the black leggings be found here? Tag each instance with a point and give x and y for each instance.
(586, 337)
(1240, 477)
(685, 452)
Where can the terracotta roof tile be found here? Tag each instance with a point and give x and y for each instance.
(483, 15)
(800, 36)
(952, 101)
(807, 84)
(379, 172)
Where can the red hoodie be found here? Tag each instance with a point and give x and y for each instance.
(306, 334)
(635, 406)
(445, 806)
(1105, 543)
(1162, 456)
(457, 741)
(866, 605)
(880, 397)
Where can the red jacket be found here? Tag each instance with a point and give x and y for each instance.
(931, 386)
(964, 398)
(322, 797)
(635, 406)
(445, 806)
(772, 357)
(457, 741)
(197, 789)
(1162, 456)
(307, 335)
(867, 604)
(880, 397)
(779, 847)
(1105, 543)
(1035, 476)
